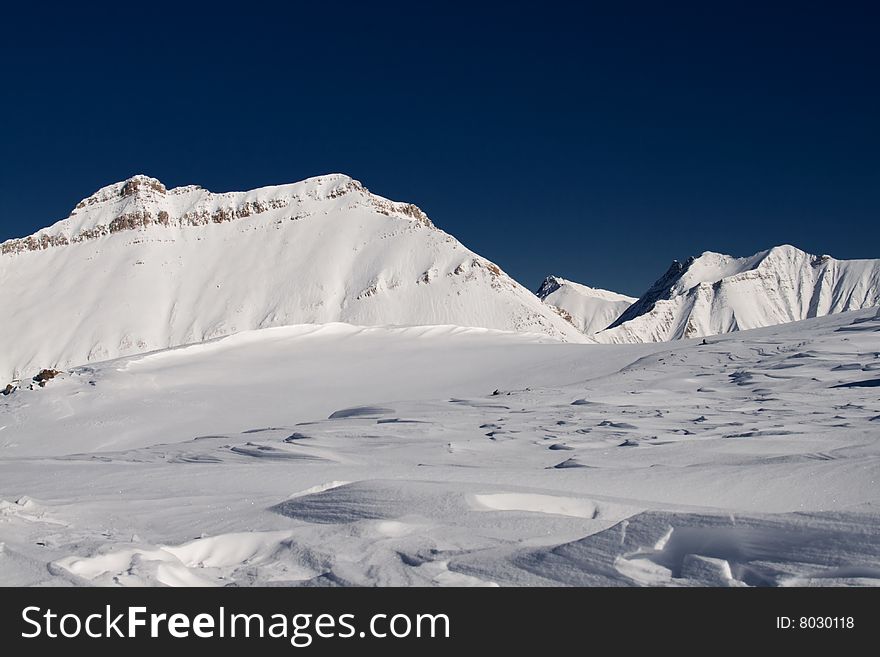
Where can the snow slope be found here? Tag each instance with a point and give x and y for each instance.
(138, 267)
(337, 455)
(717, 293)
(588, 308)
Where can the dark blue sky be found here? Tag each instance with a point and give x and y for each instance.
(596, 142)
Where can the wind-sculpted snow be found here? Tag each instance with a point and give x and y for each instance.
(137, 267)
(716, 293)
(338, 455)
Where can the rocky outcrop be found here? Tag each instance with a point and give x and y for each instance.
(43, 376)
(548, 287)
(137, 183)
(138, 220)
(143, 202)
(134, 186)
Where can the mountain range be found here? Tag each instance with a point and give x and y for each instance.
(138, 267)
(716, 293)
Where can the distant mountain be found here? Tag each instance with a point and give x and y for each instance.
(589, 309)
(716, 293)
(138, 267)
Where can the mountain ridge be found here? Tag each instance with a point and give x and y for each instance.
(589, 309)
(137, 267)
(716, 293)
(141, 201)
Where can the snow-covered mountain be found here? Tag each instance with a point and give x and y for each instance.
(716, 293)
(589, 309)
(138, 267)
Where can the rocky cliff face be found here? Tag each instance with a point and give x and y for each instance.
(661, 289)
(141, 201)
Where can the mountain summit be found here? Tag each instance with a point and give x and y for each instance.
(138, 267)
(590, 309)
(142, 201)
(716, 293)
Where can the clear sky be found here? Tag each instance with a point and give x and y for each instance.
(597, 142)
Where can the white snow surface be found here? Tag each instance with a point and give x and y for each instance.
(590, 309)
(344, 455)
(137, 267)
(717, 293)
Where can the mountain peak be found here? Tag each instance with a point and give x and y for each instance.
(785, 249)
(783, 252)
(141, 267)
(140, 184)
(589, 309)
(717, 293)
(549, 286)
(137, 185)
(661, 289)
(142, 202)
